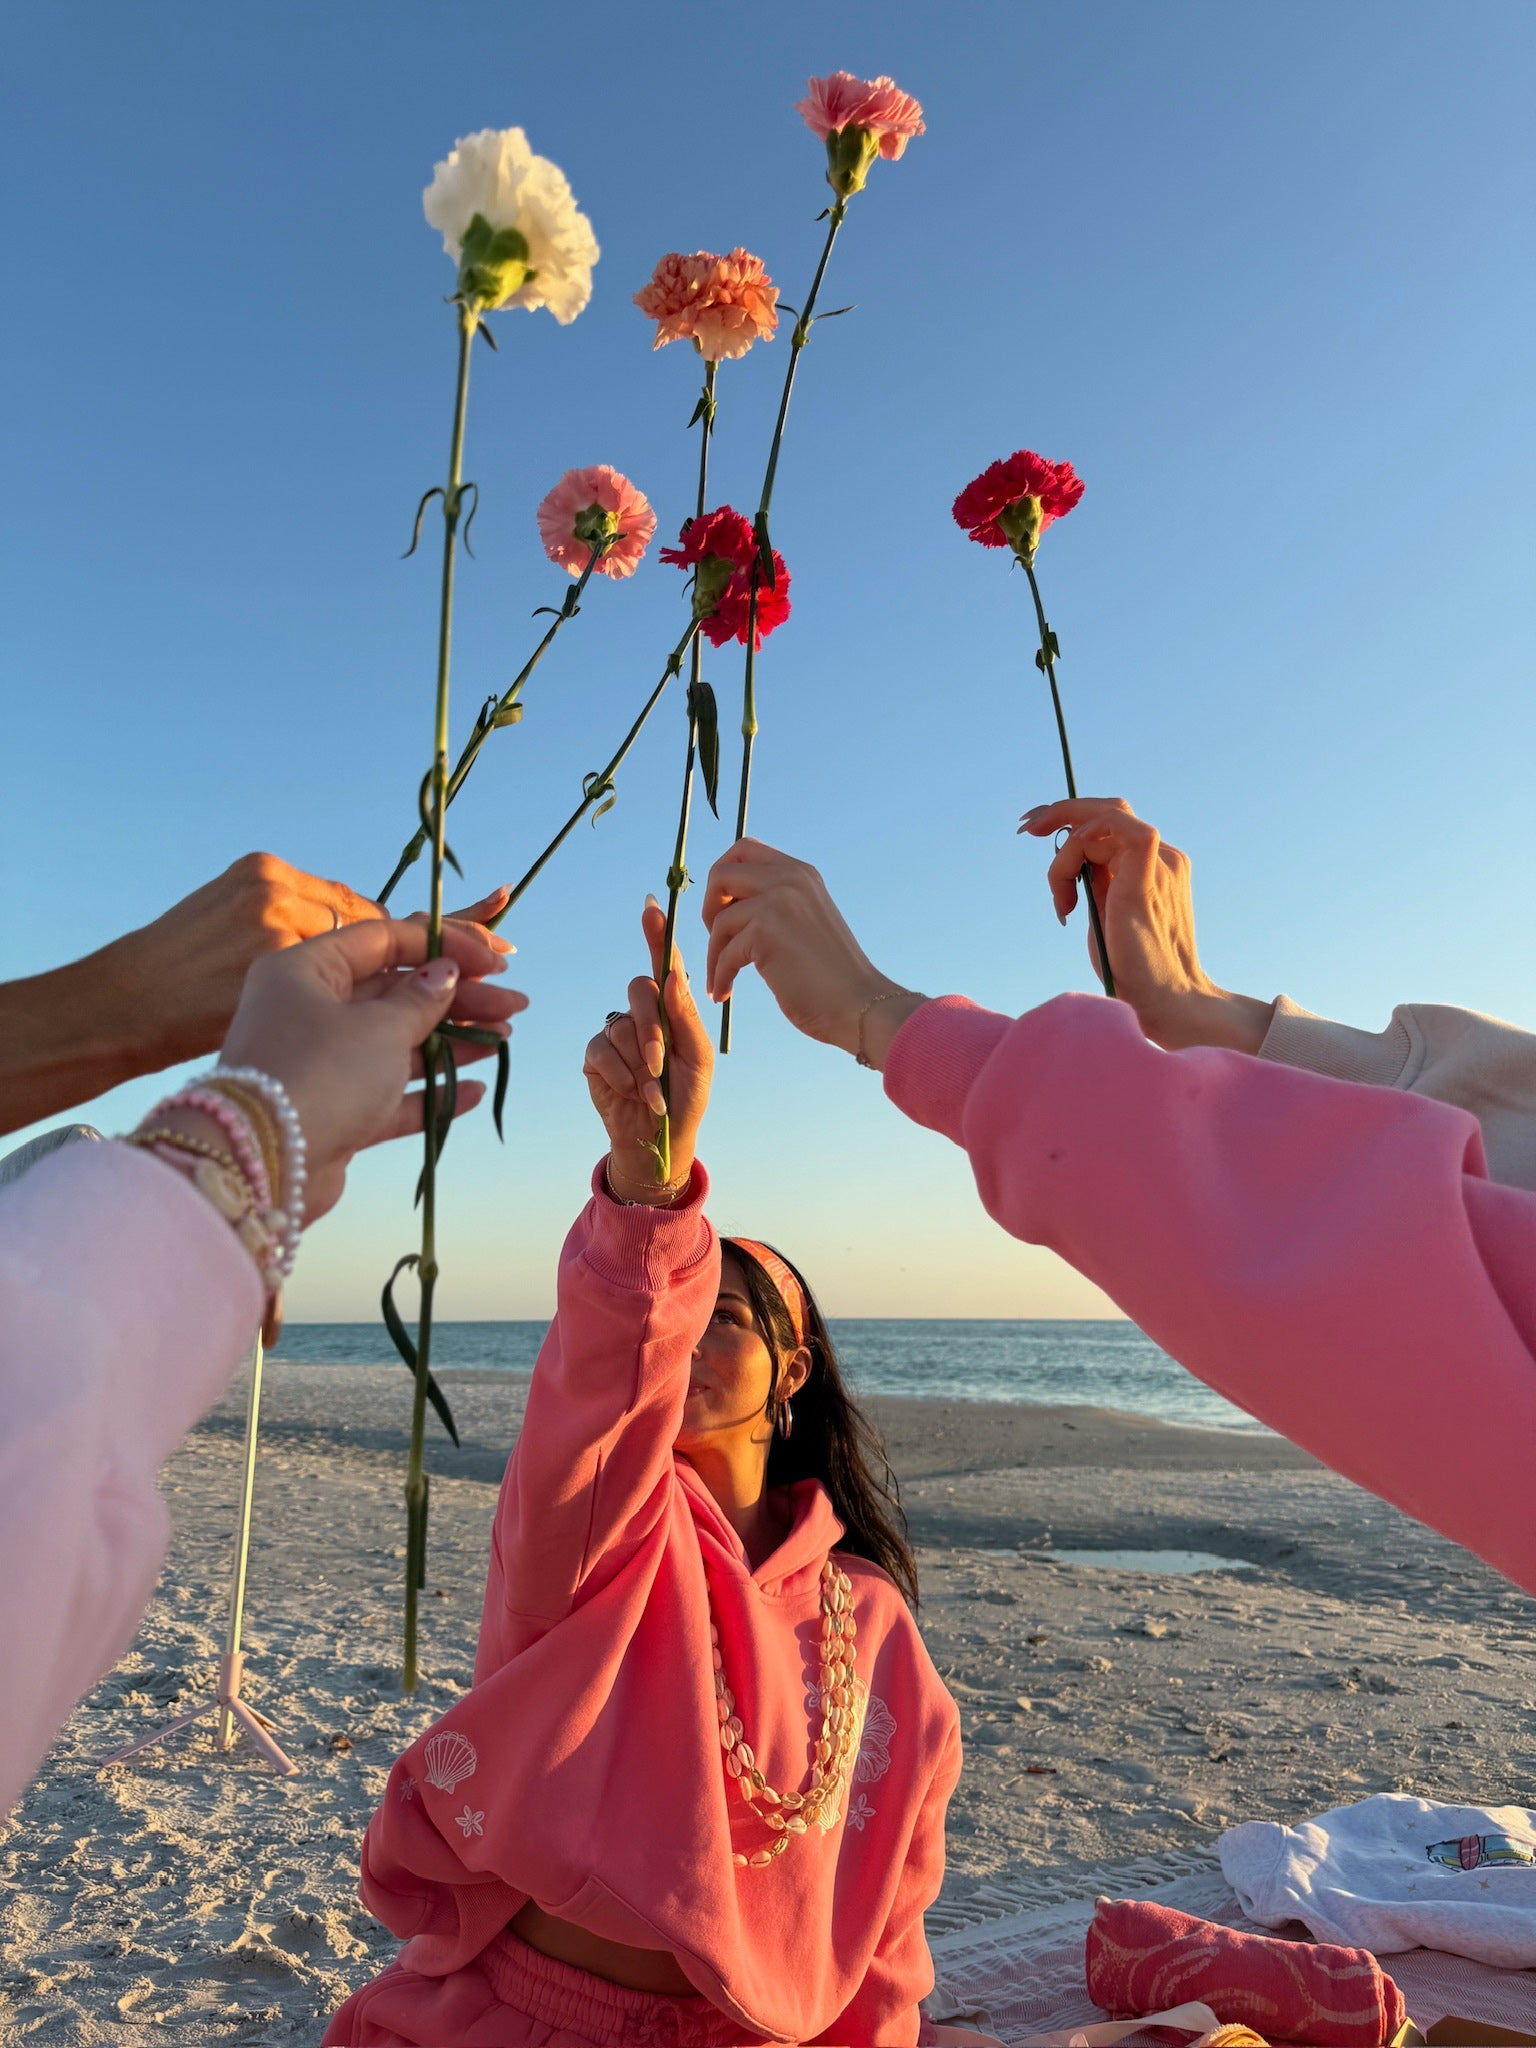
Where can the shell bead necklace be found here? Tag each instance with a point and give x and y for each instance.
(789, 1814)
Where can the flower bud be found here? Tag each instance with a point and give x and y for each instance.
(1020, 521)
(596, 528)
(851, 153)
(711, 576)
(493, 264)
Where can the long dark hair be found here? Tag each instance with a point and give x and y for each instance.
(833, 1440)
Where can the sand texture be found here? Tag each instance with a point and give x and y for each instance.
(191, 1896)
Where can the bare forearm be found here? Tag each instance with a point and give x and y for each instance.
(1217, 1017)
(69, 1035)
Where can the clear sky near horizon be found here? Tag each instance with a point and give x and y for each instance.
(1264, 276)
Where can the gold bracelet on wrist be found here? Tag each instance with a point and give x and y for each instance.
(666, 1192)
(890, 996)
(195, 1147)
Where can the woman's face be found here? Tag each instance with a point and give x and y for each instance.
(731, 1371)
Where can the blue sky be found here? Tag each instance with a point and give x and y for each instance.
(1264, 276)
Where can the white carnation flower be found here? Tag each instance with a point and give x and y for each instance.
(532, 247)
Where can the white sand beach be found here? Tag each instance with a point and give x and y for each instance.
(191, 1896)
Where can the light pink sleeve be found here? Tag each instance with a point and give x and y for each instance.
(592, 1467)
(1327, 1255)
(126, 1304)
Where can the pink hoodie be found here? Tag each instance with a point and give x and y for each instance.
(1330, 1256)
(584, 1767)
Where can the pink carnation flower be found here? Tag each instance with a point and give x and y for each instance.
(590, 506)
(722, 304)
(877, 105)
(1055, 487)
(722, 533)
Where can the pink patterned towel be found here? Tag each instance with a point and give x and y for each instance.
(1142, 1957)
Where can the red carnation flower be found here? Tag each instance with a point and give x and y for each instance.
(723, 533)
(1054, 486)
(731, 613)
(720, 548)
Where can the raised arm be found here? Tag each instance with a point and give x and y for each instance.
(1146, 906)
(591, 1474)
(1329, 1256)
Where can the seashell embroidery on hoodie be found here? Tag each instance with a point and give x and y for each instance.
(450, 1759)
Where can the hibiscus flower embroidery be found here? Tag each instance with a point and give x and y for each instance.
(407, 1791)
(470, 1822)
(859, 1812)
(874, 1757)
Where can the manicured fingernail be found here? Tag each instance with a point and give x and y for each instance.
(655, 1098)
(439, 977)
(654, 1057)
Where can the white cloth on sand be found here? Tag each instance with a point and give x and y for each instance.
(1394, 1872)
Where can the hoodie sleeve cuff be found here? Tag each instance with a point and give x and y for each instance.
(1296, 1038)
(936, 1057)
(642, 1249)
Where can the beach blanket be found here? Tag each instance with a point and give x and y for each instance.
(1009, 1952)
(1393, 1873)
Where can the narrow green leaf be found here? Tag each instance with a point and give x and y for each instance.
(503, 1076)
(469, 522)
(482, 329)
(1040, 659)
(764, 549)
(400, 1336)
(512, 715)
(435, 492)
(706, 716)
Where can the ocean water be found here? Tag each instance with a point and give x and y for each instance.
(1110, 1365)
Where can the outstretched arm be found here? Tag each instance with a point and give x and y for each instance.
(1331, 1257)
(590, 1475)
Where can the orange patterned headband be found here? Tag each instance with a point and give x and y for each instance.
(791, 1293)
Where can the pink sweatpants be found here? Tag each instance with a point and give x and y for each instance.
(513, 1997)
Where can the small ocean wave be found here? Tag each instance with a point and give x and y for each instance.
(1108, 1365)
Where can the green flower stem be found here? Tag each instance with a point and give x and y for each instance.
(434, 1048)
(1046, 660)
(601, 784)
(486, 724)
(797, 341)
(677, 874)
(748, 735)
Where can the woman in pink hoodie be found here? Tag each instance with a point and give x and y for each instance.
(697, 1790)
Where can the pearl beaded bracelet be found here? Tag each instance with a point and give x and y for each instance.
(287, 1219)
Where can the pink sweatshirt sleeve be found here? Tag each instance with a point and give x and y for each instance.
(125, 1306)
(1329, 1256)
(592, 1466)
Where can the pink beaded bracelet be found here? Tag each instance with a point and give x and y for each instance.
(235, 1126)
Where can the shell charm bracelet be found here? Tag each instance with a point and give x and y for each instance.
(257, 1184)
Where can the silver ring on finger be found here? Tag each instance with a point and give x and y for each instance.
(335, 919)
(614, 1017)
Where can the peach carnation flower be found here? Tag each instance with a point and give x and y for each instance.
(596, 508)
(722, 304)
(882, 117)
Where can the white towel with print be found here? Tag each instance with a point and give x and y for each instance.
(1395, 1872)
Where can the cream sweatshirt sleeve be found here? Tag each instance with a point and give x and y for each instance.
(126, 1305)
(1478, 1063)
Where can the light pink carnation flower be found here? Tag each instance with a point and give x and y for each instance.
(589, 506)
(722, 304)
(878, 105)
